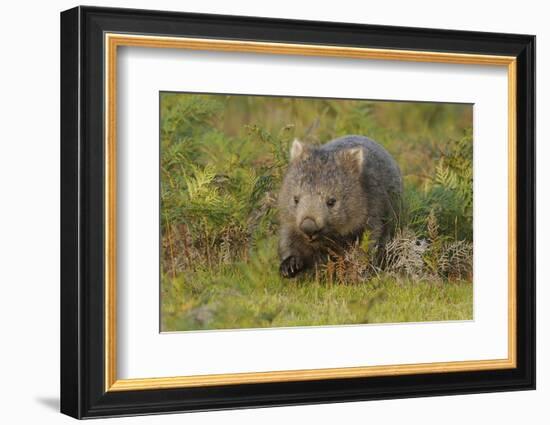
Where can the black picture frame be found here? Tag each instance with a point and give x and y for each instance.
(83, 392)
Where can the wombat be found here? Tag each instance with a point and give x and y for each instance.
(331, 195)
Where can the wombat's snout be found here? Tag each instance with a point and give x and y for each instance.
(309, 227)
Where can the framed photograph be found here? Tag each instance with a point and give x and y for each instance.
(261, 212)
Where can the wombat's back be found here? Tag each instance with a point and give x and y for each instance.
(380, 171)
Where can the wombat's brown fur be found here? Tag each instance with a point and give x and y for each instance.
(331, 195)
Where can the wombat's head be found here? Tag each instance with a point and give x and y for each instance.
(322, 195)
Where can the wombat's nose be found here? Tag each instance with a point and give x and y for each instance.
(309, 227)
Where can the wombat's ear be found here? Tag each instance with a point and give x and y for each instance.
(297, 149)
(353, 157)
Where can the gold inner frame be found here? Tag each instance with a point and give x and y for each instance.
(113, 41)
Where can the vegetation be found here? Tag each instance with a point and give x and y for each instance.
(222, 162)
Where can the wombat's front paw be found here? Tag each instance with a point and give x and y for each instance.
(291, 266)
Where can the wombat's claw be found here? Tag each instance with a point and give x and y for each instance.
(291, 266)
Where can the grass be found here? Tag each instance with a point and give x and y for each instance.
(222, 162)
(253, 295)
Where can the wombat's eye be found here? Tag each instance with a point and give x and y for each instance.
(331, 202)
(296, 200)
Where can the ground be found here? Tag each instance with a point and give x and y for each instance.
(253, 295)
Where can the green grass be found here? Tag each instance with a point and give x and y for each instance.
(253, 295)
(222, 162)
